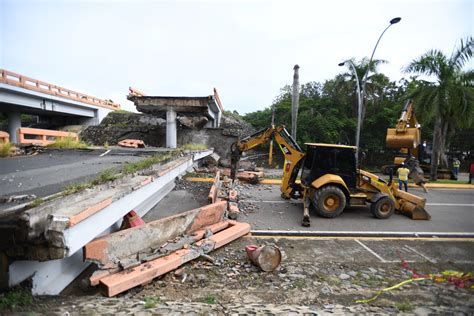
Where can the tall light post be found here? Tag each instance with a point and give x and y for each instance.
(359, 106)
(361, 92)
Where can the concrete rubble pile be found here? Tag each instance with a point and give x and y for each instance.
(137, 255)
(151, 129)
(44, 239)
(247, 171)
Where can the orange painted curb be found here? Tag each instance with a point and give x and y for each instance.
(89, 211)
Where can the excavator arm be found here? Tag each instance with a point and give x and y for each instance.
(288, 146)
(407, 137)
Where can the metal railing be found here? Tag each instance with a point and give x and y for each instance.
(14, 79)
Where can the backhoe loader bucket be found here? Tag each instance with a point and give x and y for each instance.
(411, 205)
(407, 139)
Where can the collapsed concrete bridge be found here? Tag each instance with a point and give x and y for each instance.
(208, 107)
(44, 239)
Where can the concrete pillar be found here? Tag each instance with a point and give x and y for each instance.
(171, 129)
(14, 123)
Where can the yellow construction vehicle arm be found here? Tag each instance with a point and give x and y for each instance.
(407, 118)
(288, 146)
(406, 134)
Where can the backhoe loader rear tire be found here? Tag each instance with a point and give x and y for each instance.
(328, 201)
(383, 208)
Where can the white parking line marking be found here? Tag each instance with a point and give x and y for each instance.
(420, 254)
(105, 153)
(371, 251)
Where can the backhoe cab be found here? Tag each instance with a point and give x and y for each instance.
(330, 180)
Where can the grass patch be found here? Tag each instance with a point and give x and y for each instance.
(68, 143)
(209, 299)
(5, 149)
(14, 298)
(76, 187)
(104, 177)
(193, 146)
(404, 306)
(121, 111)
(145, 163)
(299, 283)
(36, 202)
(151, 302)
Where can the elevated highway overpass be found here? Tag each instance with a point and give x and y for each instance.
(20, 94)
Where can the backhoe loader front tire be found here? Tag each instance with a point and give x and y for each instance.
(328, 201)
(383, 208)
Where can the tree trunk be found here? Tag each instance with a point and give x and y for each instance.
(435, 154)
(444, 136)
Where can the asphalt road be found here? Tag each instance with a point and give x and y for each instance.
(452, 210)
(48, 172)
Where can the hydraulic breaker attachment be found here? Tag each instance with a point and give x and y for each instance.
(411, 205)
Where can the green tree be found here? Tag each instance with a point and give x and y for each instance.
(447, 103)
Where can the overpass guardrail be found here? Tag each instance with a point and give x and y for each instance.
(14, 79)
(42, 137)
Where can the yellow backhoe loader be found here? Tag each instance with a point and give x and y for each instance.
(330, 179)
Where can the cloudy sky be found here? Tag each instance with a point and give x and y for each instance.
(247, 49)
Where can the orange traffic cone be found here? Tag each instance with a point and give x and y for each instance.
(132, 220)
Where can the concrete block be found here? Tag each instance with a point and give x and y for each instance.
(110, 249)
(122, 281)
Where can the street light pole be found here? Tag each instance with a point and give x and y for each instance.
(359, 106)
(364, 79)
(361, 92)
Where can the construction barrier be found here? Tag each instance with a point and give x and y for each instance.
(42, 137)
(4, 137)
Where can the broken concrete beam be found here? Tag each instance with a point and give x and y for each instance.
(193, 122)
(232, 195)
(108, 250)
(131, 143)
(61, 226)
(165, 250)
(233, 210)
(247, 176)
(122, 281)
(49, 277)
(216, 186)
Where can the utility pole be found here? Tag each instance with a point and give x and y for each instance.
(295, 100)
(270, 152)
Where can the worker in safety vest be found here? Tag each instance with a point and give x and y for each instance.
(456, 164)
(403, 177)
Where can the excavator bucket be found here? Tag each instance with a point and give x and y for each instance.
(411, 205)
(408, 139)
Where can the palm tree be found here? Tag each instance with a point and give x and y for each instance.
(448, 103)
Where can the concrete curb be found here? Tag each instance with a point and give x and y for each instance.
(302, 233)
